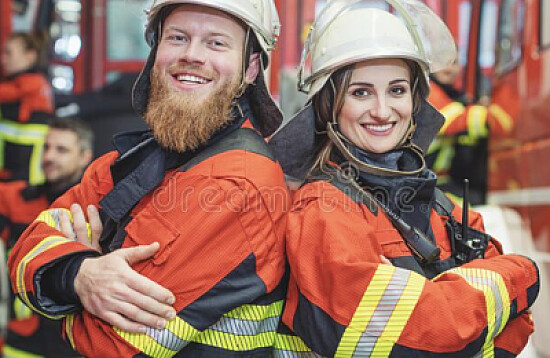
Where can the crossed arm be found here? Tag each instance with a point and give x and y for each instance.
(108, 287)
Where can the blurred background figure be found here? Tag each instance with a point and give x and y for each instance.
(460, 151)
(26, 101)
(67, 152)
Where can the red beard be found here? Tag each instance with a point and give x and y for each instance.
(180, 121)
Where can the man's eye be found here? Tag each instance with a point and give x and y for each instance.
(176, 37)
(218, 43)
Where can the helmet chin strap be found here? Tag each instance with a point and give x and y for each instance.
(243, 85)
(338, 139)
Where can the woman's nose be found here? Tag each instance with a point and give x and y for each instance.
(381, 109)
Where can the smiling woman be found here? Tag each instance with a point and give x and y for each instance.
(369, 198)
(377, 110)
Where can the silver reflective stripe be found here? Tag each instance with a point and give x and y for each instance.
(382, 314)
(55, 216)
(43, 246)
(19, 130)
(166, 339)
(278, 353)
(499, 308)
(242, 327)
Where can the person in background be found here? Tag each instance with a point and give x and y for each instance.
(26, 102)
(67, 152)
(460, 150)
(379, 265)
(199, 200)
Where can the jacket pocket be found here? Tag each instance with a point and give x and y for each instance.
(392, 244)
(149, 226)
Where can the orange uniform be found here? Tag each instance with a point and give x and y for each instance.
(28, 332)
(460, 150)
(26, 101)
(220, 225)
(342, 302)
(473, 119)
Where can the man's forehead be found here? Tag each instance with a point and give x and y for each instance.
(192, 14)
(61, 137)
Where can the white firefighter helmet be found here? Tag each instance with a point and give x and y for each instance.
(350, 31)
(260, 15)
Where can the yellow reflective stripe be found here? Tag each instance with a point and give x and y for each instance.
(477, 121)
(161, 343)
(400, 315)
(11, 352)
(382, 313)
(444, 158)
(28, 135)
(51, 218)
(434, 147)
(23, 133)
(20, 310)
(69, 323)
(290, 343)
(501, 116)
(256, 312)
(451, 112)
(245, 328)
(497, 301)
(2, 145)
(44, 245)
(36, 175)
(235, 342)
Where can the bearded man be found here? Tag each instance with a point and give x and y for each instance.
(195, 204)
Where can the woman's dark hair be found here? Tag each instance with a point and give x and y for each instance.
(327, 104)
(36, 42)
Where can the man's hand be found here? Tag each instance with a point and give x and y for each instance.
(111, 290)
(107, 285)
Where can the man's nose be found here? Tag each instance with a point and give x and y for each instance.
(194, 52)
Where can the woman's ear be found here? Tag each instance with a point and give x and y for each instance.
(253, 69)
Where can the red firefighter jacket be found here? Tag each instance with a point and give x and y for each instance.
(26, 101)
(220, 226)
(460, 150)
(343, 302)
(28, 332)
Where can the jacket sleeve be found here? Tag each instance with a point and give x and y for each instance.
(513, 339)
(221, 254)
(345, 301)
(4, 217)
(14, 90)
(459, 117)
(42, 244)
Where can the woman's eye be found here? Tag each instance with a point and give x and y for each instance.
(398, 90)
(361, 92)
